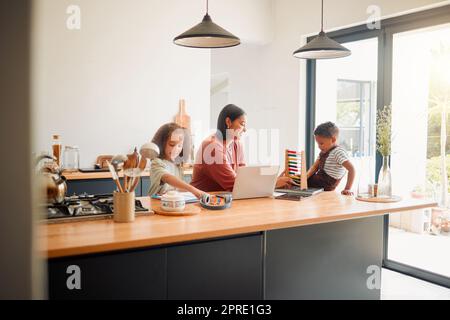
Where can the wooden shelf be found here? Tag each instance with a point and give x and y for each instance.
(77, 175)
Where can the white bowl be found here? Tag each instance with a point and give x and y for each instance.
(172, 201)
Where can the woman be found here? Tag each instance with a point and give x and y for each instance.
(222, 153)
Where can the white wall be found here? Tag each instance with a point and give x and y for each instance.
(253, 86)
(269, 82)
(251, 20)
(110, 85)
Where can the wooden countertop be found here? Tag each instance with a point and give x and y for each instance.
(245, 216)
(77, 175)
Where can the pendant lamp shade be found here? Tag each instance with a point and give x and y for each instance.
(322, 47)
(207, 34)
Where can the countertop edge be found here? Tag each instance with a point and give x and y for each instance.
(187, 237)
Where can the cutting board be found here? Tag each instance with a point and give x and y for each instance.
(189, 210)
(182, 118)
(380, 200)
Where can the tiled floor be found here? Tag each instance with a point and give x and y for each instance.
(396, 286)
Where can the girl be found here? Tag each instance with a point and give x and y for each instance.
(166, 173)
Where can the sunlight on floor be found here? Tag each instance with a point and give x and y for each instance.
(396, 286)
(424, 251)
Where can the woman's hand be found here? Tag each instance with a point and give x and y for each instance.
(347, 192)
(284, 182)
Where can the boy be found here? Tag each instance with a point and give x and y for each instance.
(333, 160)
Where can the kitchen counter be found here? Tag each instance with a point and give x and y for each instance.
(77, 175)
(245, 216)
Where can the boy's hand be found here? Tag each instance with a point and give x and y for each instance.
(284, 182)
(347, 192)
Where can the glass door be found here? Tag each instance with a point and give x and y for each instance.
(420, 161)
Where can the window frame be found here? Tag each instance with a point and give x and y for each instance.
(362, 113)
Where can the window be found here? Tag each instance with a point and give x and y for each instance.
(354, 116)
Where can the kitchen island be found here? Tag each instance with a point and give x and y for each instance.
(319, 248)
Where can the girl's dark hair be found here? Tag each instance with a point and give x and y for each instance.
(327, 130)
(229, 111)
(163, 135)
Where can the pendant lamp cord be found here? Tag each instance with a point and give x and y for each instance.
(321, 23)
(207, 6)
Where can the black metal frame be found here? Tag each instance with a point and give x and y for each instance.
(389, 27)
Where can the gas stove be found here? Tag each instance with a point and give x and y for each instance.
(87, 207)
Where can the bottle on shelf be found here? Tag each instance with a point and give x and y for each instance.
(57, 148)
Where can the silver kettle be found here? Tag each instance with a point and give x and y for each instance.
(52, 180)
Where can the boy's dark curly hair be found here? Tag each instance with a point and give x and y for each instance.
(327, 130)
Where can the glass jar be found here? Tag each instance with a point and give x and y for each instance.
(71, 158)
(366, 179)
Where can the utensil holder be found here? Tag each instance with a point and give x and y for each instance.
(124, 207)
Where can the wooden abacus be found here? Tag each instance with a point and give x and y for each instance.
(295, 168)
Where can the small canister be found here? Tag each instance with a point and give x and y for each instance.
(373, 190)
(172, 201)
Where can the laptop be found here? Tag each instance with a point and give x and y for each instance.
(255, 182)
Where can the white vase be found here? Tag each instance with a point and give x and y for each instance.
(385, 180)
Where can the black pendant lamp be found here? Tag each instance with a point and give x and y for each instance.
(207, 35)
(322, 47)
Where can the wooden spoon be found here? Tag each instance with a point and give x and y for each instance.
(131, 163)
(141, 166)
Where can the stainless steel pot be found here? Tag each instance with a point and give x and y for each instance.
(52, 180)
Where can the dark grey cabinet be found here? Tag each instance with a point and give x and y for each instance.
(103, 186)
(145, 186)
(107, 186)
(228, 268)
(125, 275)
(324, 261)
(221, 269)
